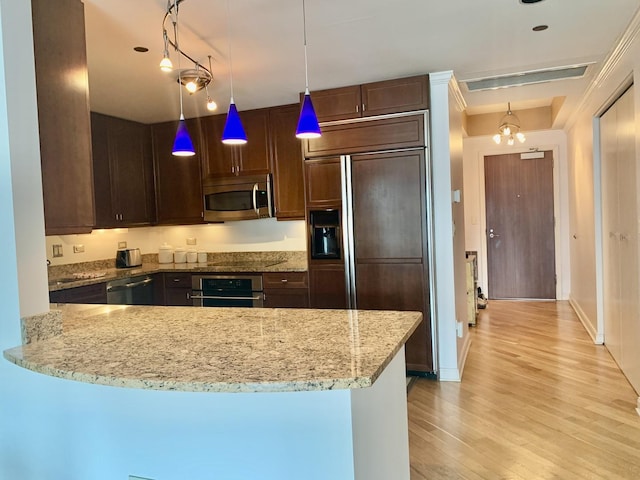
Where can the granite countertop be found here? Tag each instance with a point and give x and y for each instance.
(78, 275)
(217, 349)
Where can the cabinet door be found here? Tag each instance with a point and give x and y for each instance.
(286, 163)
(177, 289)
(395, 96)
(63, 115)
(327, 287)
(96, 293)
(253, 157)
(337, 103)
(218, 159)
(371, 136)
(290, 298)
(122, 171)
(323, 180)
(178, 186)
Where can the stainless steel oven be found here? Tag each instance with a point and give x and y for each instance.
(221, 290)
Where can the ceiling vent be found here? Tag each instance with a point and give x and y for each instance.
(526, 78)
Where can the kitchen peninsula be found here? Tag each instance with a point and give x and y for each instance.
(290, 393)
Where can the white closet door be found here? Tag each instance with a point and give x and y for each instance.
(628, 221)
(610, 231)
(620, 236)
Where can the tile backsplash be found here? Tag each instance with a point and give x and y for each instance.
(263, 235)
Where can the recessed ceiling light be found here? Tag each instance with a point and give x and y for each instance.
(540, 28)
(141, 49)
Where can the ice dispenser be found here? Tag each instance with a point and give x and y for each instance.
(325, 234)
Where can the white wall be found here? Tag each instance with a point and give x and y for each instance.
(245, 236)
(619, 69)
(475, 149)
(448, 227)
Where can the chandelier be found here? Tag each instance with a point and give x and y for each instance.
(509, 129)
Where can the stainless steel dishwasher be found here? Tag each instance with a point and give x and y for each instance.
(131, 291)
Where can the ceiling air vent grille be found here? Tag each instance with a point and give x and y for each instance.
(526, 78)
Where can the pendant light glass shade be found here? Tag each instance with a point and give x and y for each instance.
(182, 145)
(233, 133)
(308, 126)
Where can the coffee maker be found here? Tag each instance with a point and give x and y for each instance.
(325, 234)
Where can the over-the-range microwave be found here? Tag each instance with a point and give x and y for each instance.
(237, 198)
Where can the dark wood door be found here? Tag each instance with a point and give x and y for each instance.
(389, 224)
(520, 226)
(63, 116)
(178, 186)
(323, 179)
(253, 157)
(337, 103)
(286, 163)
(218, 159)
(327, 286)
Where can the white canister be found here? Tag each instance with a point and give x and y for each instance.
(179, 255)
(165, 253)
(202, 257)
(192, 256)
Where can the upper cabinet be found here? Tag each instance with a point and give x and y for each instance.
(123, 172)
(286, 162)
(370, 99)
(63, 115)
(178, 180)
(220, 160)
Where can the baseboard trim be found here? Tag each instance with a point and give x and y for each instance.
(598, 339)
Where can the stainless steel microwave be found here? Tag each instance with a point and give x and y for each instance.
(237, 198)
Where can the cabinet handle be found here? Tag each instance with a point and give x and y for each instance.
(363, 108)
(176, 279)
(188, 295)
(357, 108)
(284, 280)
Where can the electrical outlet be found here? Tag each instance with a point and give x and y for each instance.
(57, 251)
(459, 329)
(191, 241)
(78, 248)
(122, 245)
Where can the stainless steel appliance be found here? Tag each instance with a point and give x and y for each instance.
(128, 257)
(238, 198)
(131, 291)
(214, 290)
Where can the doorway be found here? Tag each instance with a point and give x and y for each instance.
(520, 226)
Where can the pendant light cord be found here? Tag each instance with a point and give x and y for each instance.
(175, 29)
(229, 49)
(304, 30)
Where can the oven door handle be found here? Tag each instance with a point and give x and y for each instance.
(255, 200)
(216, 297)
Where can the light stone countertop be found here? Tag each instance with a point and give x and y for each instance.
(219, 349)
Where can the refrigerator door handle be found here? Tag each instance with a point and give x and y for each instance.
(347, 231)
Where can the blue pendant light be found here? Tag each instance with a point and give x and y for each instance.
(233, 133)
(308, 126)
(182, 145)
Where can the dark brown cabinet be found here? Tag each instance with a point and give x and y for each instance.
(377, 98)
(177, 289)
(286, 289)
(286, 162)
(375, 135)
(178, 182)
(327, 286)
(96, 293)
(323, 183)
(220, 160)
(122, 172)
(63, 115)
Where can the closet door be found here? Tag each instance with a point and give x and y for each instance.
(620, 236)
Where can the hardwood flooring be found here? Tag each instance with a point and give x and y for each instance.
(538, 400)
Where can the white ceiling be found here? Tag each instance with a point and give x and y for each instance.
(349, 42)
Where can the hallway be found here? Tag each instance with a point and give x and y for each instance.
(538, 400)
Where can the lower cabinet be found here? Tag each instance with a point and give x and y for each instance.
(327, 286)
(96, 293)
(286, 289)
(177, 289)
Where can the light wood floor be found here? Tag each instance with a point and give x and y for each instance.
(538, 400)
